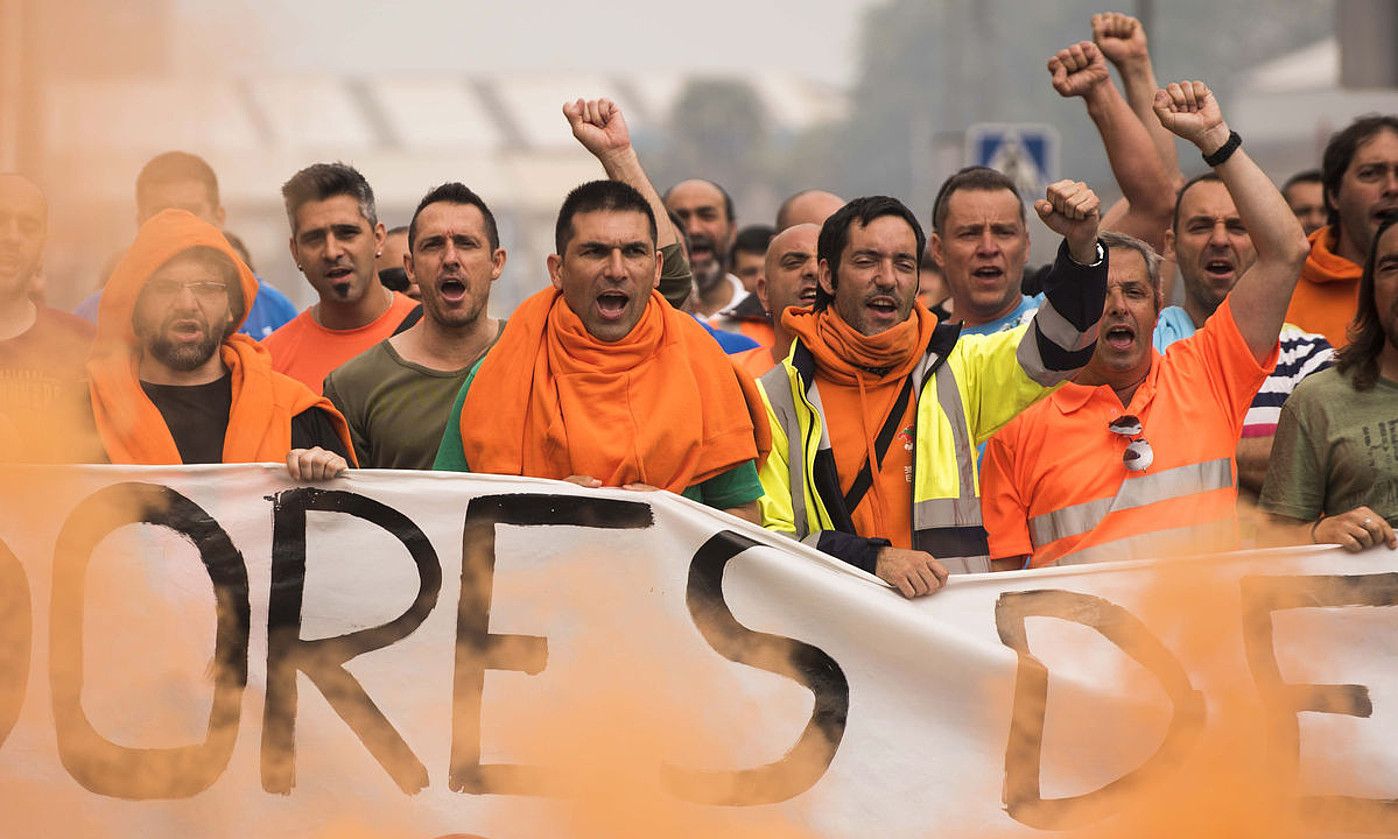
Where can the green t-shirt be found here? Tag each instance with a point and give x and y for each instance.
(734, 488)
(1336, 448)
(396, 409)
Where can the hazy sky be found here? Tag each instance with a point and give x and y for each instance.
(811, 38)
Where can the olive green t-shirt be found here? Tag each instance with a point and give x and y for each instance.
(1336, 448)
(734, 488)
(396, 409)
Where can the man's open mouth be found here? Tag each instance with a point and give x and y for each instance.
(1119, 336)
(883, 305)
(452, 289)
(988, 272)
(807, 295)
(611, 304)
(1219, 268)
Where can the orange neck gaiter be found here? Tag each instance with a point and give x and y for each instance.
(857, 403)
(662, 406)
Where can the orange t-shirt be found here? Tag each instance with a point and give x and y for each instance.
(307, 351)
(1327, 294)
(759, 331)
(887, 508)
(1053, 483)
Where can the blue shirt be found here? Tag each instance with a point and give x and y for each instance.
(1174, 324)
(729, 342)
(1021, 314)
(270, 309)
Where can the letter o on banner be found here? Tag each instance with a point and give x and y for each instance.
(96, 763)
(16, 631)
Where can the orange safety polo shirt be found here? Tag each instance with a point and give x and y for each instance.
(1055, 488)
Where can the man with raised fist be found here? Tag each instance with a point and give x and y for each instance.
(1135, 457)
(876, 412)
(1081, 70)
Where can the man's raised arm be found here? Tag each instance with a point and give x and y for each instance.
(1261, 296)
(600, 127)
(1081, 70)
(1122, 39)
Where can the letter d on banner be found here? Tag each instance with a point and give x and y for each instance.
(1024, 800)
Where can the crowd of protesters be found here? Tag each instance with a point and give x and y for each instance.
(913, 403)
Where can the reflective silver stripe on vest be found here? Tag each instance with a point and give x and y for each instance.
(1212, 536)
(965, 564)
(777, 386)
(965, 510)
(1178, 482)
(1053, 326)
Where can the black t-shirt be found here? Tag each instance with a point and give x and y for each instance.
(197, 416)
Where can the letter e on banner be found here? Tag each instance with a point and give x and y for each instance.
(479, 650)
(1263, 595)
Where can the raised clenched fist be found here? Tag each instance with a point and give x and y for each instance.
(598, 125)
(1072, 210)
(1076, 70)
(1121, 38)
(1189, 111)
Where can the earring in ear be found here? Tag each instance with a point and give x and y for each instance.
(299, 268)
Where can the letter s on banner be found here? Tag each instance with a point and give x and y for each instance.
(804, 664)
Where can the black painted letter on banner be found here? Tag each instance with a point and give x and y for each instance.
(808, 666)
(478, 650)
(1263, 595)
(323, 659)
(1024, 755)
(16, 633)
(98, 764)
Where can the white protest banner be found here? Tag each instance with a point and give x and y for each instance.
(216, 651)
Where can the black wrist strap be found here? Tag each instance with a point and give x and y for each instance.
(1225, 151)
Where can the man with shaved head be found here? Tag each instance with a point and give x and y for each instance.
(809, 206)
(41, 350)
(788, 279)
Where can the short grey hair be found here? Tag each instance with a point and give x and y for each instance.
(1112, 240)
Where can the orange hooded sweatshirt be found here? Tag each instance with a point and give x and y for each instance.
(663, 406)
(131, 428)
(1328, 291)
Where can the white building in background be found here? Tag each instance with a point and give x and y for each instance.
(505, 137)
(1287, 108)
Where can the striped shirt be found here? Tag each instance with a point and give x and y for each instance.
(1302, 353)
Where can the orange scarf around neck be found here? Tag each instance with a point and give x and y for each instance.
(663, 406)
(847, 357)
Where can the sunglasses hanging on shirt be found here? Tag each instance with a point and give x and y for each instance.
(1138, 455)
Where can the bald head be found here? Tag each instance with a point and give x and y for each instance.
(811, 206)
(707, 213)
(789, 278)
(24, 216)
